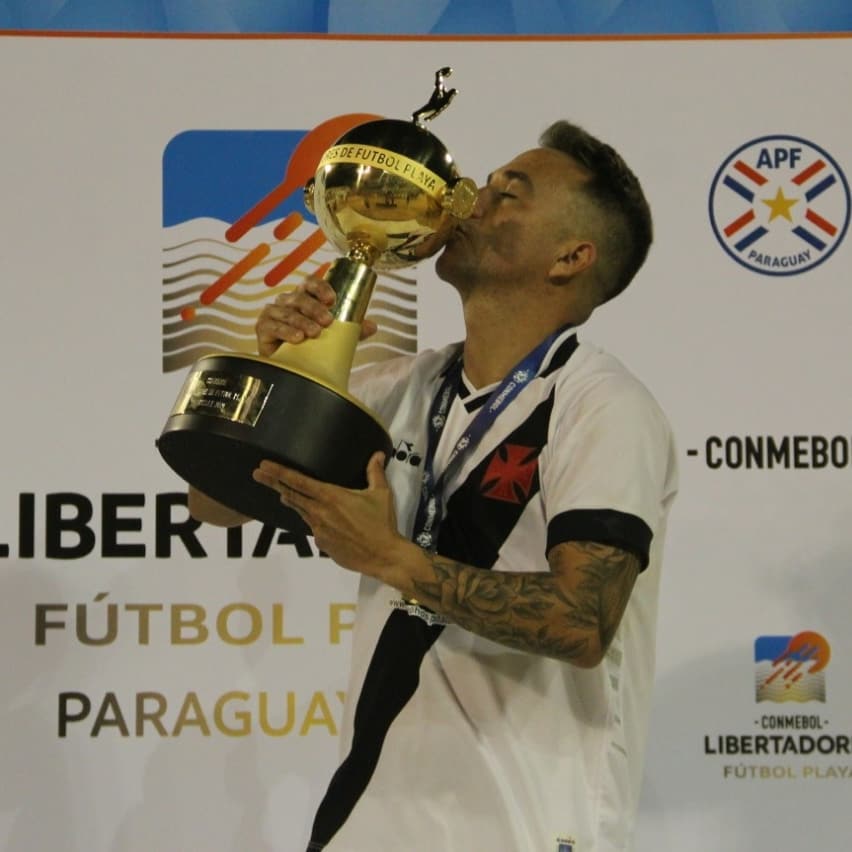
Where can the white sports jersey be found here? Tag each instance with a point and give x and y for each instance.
(452, 742)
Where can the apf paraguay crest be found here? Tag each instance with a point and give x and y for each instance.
(779, 205)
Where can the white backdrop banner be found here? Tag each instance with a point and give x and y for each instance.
(172, 686)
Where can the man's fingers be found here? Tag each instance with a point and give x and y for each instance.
(278, 477)
(376, 471)
(272, 476)
(368, 328)
(272, 331)
(301, 301)
(321, 289)
(294, 316)
(300, 314)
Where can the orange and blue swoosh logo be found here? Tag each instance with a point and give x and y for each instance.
(791, 668)
(236, 233)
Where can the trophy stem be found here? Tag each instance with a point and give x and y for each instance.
(328, 358)
(353, 281)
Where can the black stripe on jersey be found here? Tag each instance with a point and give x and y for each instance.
(560, 357)
(391, 680)
(477, 523)
(604, 526)
(475, 403)
(473, 398)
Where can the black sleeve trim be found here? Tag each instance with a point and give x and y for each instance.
(604, 526)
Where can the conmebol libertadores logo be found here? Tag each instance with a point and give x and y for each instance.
(791, 668)
(779, 205)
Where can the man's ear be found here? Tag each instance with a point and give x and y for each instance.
(575, 256)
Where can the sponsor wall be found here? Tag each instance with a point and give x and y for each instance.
(172, 686)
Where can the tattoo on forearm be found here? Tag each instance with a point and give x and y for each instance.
(566, 613)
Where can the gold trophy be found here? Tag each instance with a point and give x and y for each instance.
(387, 194)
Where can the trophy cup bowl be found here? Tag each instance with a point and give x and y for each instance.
(387, 195)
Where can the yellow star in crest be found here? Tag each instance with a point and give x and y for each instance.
(780, 205)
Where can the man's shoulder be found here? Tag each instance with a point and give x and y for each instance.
(595, 378)
(414, 371)
(595, 367)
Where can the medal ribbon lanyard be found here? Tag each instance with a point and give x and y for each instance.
(430, 511)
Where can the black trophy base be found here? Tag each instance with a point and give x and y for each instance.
(235, 411)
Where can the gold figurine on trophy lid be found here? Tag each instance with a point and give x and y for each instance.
(386, 194)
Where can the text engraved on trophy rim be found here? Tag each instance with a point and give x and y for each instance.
(389, 161)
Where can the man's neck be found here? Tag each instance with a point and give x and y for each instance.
(497, 338)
